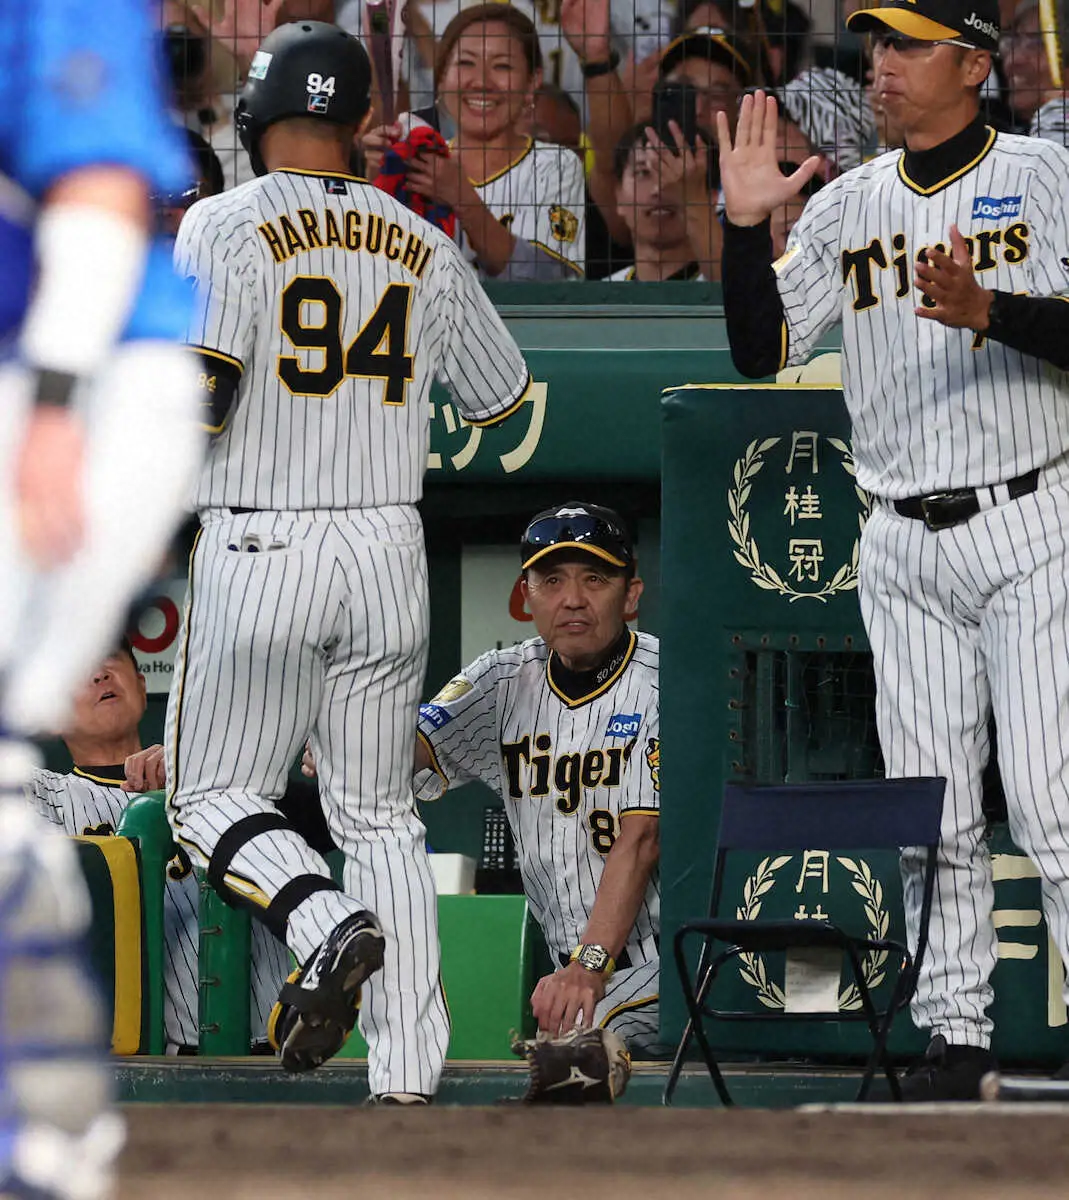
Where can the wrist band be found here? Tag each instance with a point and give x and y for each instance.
(54, 389)
(90, 265)
(591, 70)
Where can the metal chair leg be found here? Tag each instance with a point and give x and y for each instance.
(693, 1003)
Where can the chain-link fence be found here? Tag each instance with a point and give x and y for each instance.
(562, 120)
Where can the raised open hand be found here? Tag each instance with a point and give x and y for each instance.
(682, 173)
(750, 177)
(585, 25)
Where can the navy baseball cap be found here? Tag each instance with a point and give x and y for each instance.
(577, 525)
(710, 43)
(972, 21)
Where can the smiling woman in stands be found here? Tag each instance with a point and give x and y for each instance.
(518, 202)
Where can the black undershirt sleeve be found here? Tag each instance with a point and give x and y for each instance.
(752, 303)
(1035, 325)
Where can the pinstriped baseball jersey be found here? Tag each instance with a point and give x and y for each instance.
(92, 803)
(833, 112)
(568, 771)
(339, 306)
(930, 405)
(542, 199)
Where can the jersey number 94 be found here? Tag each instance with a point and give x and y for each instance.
(311, 317)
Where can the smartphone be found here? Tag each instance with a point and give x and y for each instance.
(675, 102)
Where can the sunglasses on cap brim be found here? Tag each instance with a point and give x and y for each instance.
(592, 535)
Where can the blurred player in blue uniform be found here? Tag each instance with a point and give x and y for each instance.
(98, 446)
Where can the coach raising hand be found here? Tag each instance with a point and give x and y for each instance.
(946, 265)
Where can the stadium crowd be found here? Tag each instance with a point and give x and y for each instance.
(524, 129)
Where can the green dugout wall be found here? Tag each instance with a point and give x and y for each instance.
(750, 574)
(766, 678)
(601, 355)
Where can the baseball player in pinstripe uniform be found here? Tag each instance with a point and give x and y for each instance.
(947, 266)
(91, 798)
(325, 310)
(566, 728)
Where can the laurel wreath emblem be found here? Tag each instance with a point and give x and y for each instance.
(752, 966)
(764, 574)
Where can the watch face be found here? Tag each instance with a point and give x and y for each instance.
(593, 958)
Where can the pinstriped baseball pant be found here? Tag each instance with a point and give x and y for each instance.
(630, 1005)
(963, 622)
(315, 624)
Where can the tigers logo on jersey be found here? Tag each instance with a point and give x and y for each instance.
(653, 761)
(565, 224)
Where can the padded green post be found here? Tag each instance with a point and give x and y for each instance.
(487, 975)
(145, 822)
(224, 975)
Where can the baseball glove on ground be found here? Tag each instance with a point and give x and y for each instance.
(586, 1066)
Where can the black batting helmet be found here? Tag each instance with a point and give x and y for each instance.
(304, 69)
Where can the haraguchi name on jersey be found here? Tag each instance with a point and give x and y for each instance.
(289, 235)
(568, 773)
(986, 248)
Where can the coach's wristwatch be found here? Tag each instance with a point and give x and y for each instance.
(592, 957)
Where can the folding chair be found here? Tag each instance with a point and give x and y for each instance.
(877, 814)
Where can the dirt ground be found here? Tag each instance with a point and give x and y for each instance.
(259, 1152)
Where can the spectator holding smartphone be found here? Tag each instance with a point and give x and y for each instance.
(665, 200)
(519, 202)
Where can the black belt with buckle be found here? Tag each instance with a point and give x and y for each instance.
(942, 510)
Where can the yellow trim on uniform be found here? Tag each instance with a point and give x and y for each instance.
(586, 548)
(504, 170)
(321, 174)
(185, 841)
(554, 254)
(172, 784)
(435, 765)
(936, 187)
(227, 358)
(642, 812)
(246, 889)
(902, 20)
(121, 859)
(630, 1006)
(783, 344)
(513, 407)
(628, 655)
(102, 779)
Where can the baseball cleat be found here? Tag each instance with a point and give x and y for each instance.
(947, 1072)
(417, 1099)
(317, 1006)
